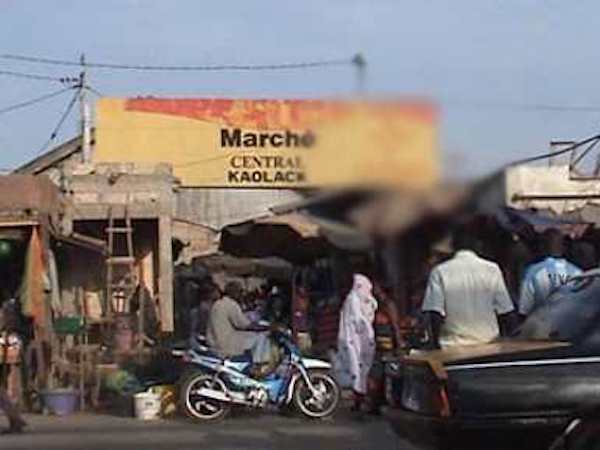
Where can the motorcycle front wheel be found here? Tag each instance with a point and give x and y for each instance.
(321, 403)
(196, 406)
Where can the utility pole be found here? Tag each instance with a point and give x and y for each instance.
(86, 119)
(360, 63)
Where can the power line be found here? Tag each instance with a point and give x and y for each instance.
(60, 123)
(557, 153)
(31, 76)
(94, 91)
(520, 106)
(33, 101)
(220, 67)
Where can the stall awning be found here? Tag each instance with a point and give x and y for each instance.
(270, 267)
(300, 223)
(538, 221)
(294, 236)
(382, 213)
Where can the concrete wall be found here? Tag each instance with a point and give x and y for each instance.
(141, 192)
(216, 208)
(551, 188)
(149, 191)
(22, 192)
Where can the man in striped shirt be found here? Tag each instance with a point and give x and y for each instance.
(546, 276)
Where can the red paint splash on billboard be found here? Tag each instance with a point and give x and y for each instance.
(273, 114)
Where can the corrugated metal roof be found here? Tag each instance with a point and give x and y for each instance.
(51, 157)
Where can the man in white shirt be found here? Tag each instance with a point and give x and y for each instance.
(229, 332)
(466, 297)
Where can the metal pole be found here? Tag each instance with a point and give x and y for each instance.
(86, 121)
(360, 63)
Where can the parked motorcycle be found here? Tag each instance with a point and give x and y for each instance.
(213, 385)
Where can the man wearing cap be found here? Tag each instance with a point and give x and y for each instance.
(227, 323)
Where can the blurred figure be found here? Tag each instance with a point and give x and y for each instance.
(7, 321)
(253, 311)
(517, 259)
(583, 255)
(227, 321)
(141, 296)
(466, 297)
(387, 341)
(300, 325)
(276, 306)
(199, 315)
(356, 338)
(544, 277)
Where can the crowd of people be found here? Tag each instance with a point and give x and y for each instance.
(465, 302)
(232, 321)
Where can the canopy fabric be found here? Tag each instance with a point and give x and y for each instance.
(343, 236)
(538, 221)
(270, 267)
(259, 240)
(298, 222)
(295, 237)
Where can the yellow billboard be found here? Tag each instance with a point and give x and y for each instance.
(274, 143)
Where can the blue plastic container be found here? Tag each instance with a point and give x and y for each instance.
(61, 402)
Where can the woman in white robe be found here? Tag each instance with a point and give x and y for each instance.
(356, 338)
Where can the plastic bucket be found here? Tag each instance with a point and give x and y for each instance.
(61, 402)
(146, 405)
(168, 398)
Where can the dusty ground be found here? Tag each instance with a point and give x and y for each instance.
(243, 432)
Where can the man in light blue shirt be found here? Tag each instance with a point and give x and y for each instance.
(546, 276)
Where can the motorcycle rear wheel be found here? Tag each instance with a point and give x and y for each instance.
(308, 404)
(199, 408)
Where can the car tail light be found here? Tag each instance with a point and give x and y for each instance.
(444, 404)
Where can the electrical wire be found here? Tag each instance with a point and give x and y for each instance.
(221, 67)
(94, 91)
(568, 149)
(33, 101)
(357, 60)
(520, 106)
(31, 76)
(60, 123)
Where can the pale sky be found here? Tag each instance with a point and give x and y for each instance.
(487, 64)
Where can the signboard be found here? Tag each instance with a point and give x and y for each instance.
(273, 143)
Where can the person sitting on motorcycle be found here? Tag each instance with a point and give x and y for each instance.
(227, 328)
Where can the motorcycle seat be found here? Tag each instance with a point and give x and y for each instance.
(205, 351)
(245, 357)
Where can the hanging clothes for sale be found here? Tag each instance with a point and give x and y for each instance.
(32, 293)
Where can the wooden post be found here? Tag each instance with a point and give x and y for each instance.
(165, 280)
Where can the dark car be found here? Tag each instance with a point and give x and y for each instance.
(544, 375)
(583, 433)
